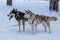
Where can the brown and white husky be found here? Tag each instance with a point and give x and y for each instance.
(34, 20)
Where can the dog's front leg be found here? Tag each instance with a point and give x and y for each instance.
(35, 28)
(44, 25)
(32, 28)
(23, 25)
(19, 25)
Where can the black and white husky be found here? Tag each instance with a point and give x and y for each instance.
(18, 16)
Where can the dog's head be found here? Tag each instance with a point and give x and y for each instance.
(28, 13)
(12, 13)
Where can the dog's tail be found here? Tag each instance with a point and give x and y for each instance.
(52, 18)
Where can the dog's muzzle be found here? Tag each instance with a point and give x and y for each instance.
(10, 16)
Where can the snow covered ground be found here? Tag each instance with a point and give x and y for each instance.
(9, 32)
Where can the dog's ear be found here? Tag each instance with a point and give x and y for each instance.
(16, 9)
(29, 10)
(13, 8)
(25, 10)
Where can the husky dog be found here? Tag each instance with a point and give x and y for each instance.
(34, 20)
(18, 16)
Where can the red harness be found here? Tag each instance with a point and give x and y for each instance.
(43, 17)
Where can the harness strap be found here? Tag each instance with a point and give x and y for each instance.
(30, 16)
(34, 18)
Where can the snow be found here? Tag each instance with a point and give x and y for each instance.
(10, 32)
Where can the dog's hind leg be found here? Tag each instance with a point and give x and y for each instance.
(44, 25)
(48, 24)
